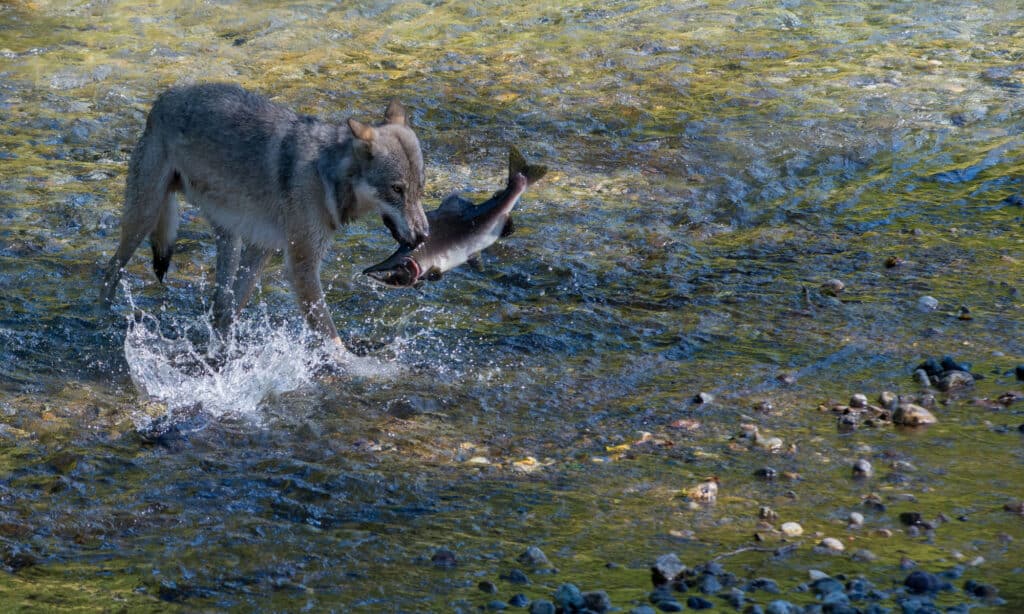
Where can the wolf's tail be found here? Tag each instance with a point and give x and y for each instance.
(164, 235)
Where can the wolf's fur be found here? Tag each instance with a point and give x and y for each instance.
(267, 179)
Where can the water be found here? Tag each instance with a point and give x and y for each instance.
(713, 164)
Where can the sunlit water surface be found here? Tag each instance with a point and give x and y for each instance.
(713, 164)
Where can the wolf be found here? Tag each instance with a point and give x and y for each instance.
(267, 179)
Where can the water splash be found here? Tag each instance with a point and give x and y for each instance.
(184, 365)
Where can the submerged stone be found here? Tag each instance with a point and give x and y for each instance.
(909, 414)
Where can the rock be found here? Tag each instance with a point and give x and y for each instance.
(831, 544)
(597, 601)
(1019, 372)
(703, 398)
(488, 587)
(444, 558)
(863, 555)
(736, 598)
(983, 591)
(763, 584)
(767, 473)
(921, 376)
(519, 600)
(792, 529)
(856, 519)
(952, 380)
(909, 414)
(515, 576)
(817, 574)
(862, 469)
(709, 585)
(782, 607)
(826, 586)
(948, 363)
(496, 606)
(542, 606)
(922, 582)
(666, 569)
(699, 603)
(569, 597)
(669, 605)
(706, 491)
(642, 609)
(888, 400)
(927, 303)
(858, 401)
(534, 557)
(833, 287)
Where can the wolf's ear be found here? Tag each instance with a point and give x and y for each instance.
(396, 113)
(361, 131)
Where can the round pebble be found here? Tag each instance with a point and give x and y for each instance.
(862, 468)
(792, 529)
(832, 544)
(909, 414)
(927, 303)
(858, 401)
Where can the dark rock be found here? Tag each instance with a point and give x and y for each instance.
(931, 367)
(952, 380)
(862, 468)
(763, 584)
(667, 568)
(597, 601)
(767, 473)
(736, 598)
(669, 606)
(542, 606)
(568, 596)
(660, 594)
(911, 518)
(444, 558)
(16, 560)
(949, 364)
(488, 587)
(978, 589)
(922, 582)
(826, 586)
(709, 585)
(519, 600)
(496, 605)
(642, 609)
(515, 576)
(699, 603)
(782, 607)
(1019, 372)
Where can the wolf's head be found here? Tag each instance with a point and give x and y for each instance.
(389, 174)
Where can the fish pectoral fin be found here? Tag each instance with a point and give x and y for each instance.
(508, 228)
(433, 275)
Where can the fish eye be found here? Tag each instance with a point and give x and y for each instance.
(398, 189)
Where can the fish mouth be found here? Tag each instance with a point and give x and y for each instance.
(402, 275)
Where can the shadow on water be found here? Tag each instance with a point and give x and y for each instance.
(715, 167)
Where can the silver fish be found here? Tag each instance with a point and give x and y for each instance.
(459, 230)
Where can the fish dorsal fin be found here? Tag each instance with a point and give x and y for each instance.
(517, 164)
(454, 203)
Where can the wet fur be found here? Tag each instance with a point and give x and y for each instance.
(267, 179)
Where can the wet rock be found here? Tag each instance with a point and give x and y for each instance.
(736, 598)
(488, 587)
(858, 401)
(703, 398)
(542, 606)
(1018, 371)
(922, 582)
(642, 609)
(763, 584)
(909, 414)
(496, 606)
(17, 559)
(911, 518)
(927, 303)
(669, 605)
(980, 590)
(706, 491)
(948, 363)
(699, 603)
(831, 544)
(533, 557)
(444, 559)
(709, 585)
(519, 600)
(862, 469)
(826, 586)
(568, 596)
(863, 555)
(597, 601)
(889, 400)
(792, 529)
(515, 576)
(952, 380)
(666, 569)
(833, 287)
(767, 473)
(782, 607)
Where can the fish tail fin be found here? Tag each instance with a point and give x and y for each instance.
(517, 164)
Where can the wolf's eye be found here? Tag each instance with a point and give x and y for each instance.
(398, 189)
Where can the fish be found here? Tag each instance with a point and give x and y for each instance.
(459, 230)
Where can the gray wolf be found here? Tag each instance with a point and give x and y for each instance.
(459, 230)
(267, 179)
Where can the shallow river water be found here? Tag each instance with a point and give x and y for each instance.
(713, 165)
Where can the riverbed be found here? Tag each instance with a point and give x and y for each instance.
(715, 169)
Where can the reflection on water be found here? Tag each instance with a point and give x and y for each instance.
(714, 164)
